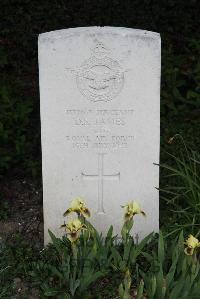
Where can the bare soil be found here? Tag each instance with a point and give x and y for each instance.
(24, 201)
(21, 215)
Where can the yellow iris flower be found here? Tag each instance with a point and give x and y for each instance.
(191, 244)
(73, 229)
(131, 209)
(78, 206)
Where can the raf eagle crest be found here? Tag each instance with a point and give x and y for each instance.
(100, 78)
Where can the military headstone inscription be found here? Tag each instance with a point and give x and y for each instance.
(100, 99)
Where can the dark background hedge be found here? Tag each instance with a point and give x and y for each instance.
(22, 21)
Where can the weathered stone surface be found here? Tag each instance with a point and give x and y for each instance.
(100, 100)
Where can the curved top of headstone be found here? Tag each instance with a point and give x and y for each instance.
(57, 34)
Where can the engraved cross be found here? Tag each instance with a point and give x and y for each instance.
(100, 177)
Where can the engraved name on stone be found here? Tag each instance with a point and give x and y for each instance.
(103, 118)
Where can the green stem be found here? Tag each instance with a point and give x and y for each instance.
(74, 252)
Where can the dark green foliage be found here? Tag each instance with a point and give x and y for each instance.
(65, 276)
(16, 132)
(15, 261)
(4, 210)
(157, 267)
(180, 90)
(181, 193)
(172, 274)
(161, 271)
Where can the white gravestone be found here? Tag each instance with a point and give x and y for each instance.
(100, 120)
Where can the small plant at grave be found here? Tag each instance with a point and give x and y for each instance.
(156, 268)
(124, 288)
(83, 257)
(125, 257)
(174, 271)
